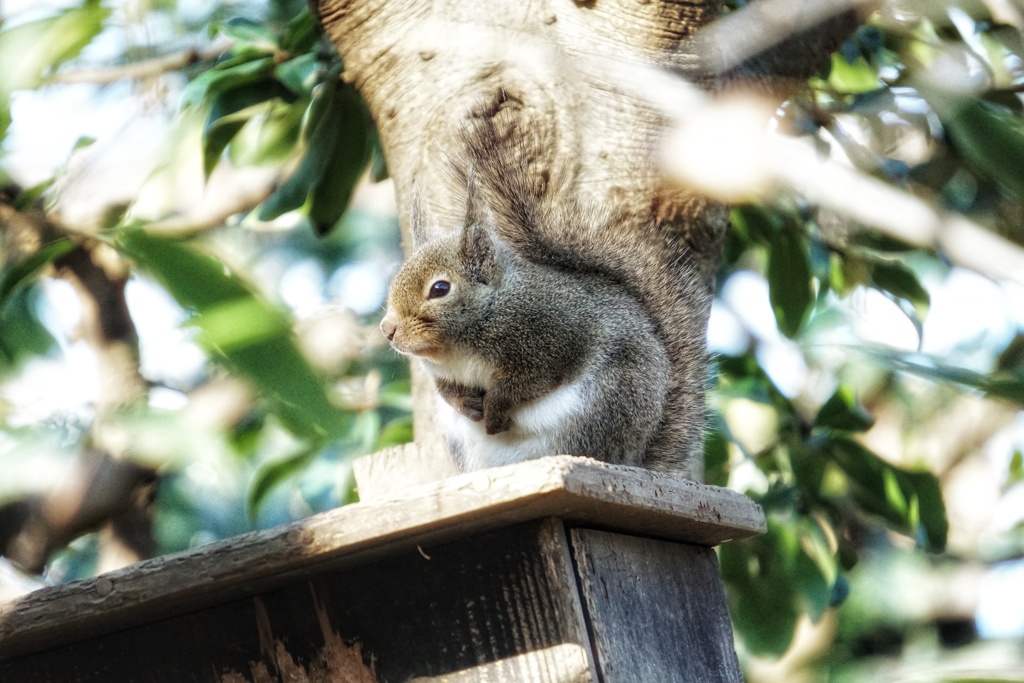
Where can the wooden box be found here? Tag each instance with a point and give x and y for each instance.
(558, 569)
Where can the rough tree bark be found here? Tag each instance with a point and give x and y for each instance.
(426, 66)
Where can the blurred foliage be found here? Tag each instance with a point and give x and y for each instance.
(830, 500)
(263, 429)
(271, 97)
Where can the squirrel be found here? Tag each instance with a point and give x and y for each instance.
(537, 322)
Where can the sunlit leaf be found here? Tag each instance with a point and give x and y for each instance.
(237, 323)
(397, 394)
(842, 411)
(241, 328)
(230, 111)
(888, 491)
(852, 78)
(269, 137)
(1015, 472)
(31, 50)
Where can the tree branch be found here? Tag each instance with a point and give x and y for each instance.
(102, 488)
(147, 68)
(763, 160)
(778, 39)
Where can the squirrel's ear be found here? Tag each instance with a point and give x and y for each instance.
(477, 249)
(421, 220)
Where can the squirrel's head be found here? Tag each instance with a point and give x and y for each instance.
(444, 290)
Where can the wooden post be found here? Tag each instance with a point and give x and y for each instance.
(558, 569)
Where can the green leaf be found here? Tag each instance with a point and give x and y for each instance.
(21, 272)
(910, 501)
(395, 433)
(33, 49)
(238, 323)
(842, 411)
(365, 431)
(1011, 359)
(990, 139)
(231, 73)
(1015, 473)
(853, 78)
(814, 588)
(299, 74)
(1000, 384)
(900, 281)
(241, 329)
(716, 458)
(29, 197)
(269, 138)
(808, 467)
(396, 394)
(275, 473)
(339, 133)
(789, 280)
(320, 137)
(22, 336)
(230, 111)
(759, 575)
(301, 33)
(754, 223)
(350, 156)
(379, 168)
(250, 33)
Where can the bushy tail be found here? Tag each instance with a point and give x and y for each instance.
(538, 212)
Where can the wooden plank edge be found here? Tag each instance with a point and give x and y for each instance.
(625, 499)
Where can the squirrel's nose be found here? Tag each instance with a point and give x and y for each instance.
(388, 327)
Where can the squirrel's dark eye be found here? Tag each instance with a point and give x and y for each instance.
(439, 289)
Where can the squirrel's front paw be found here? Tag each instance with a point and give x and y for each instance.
(496, 424)
(471, 406)
(472, 412)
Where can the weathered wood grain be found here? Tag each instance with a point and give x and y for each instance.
(656, 610)
(600, 495)
(565, 663)
(386, 472)
(500, 606)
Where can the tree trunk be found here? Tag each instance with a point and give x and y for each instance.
(427, 66)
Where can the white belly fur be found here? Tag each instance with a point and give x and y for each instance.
(537, 429)
(468, 370)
